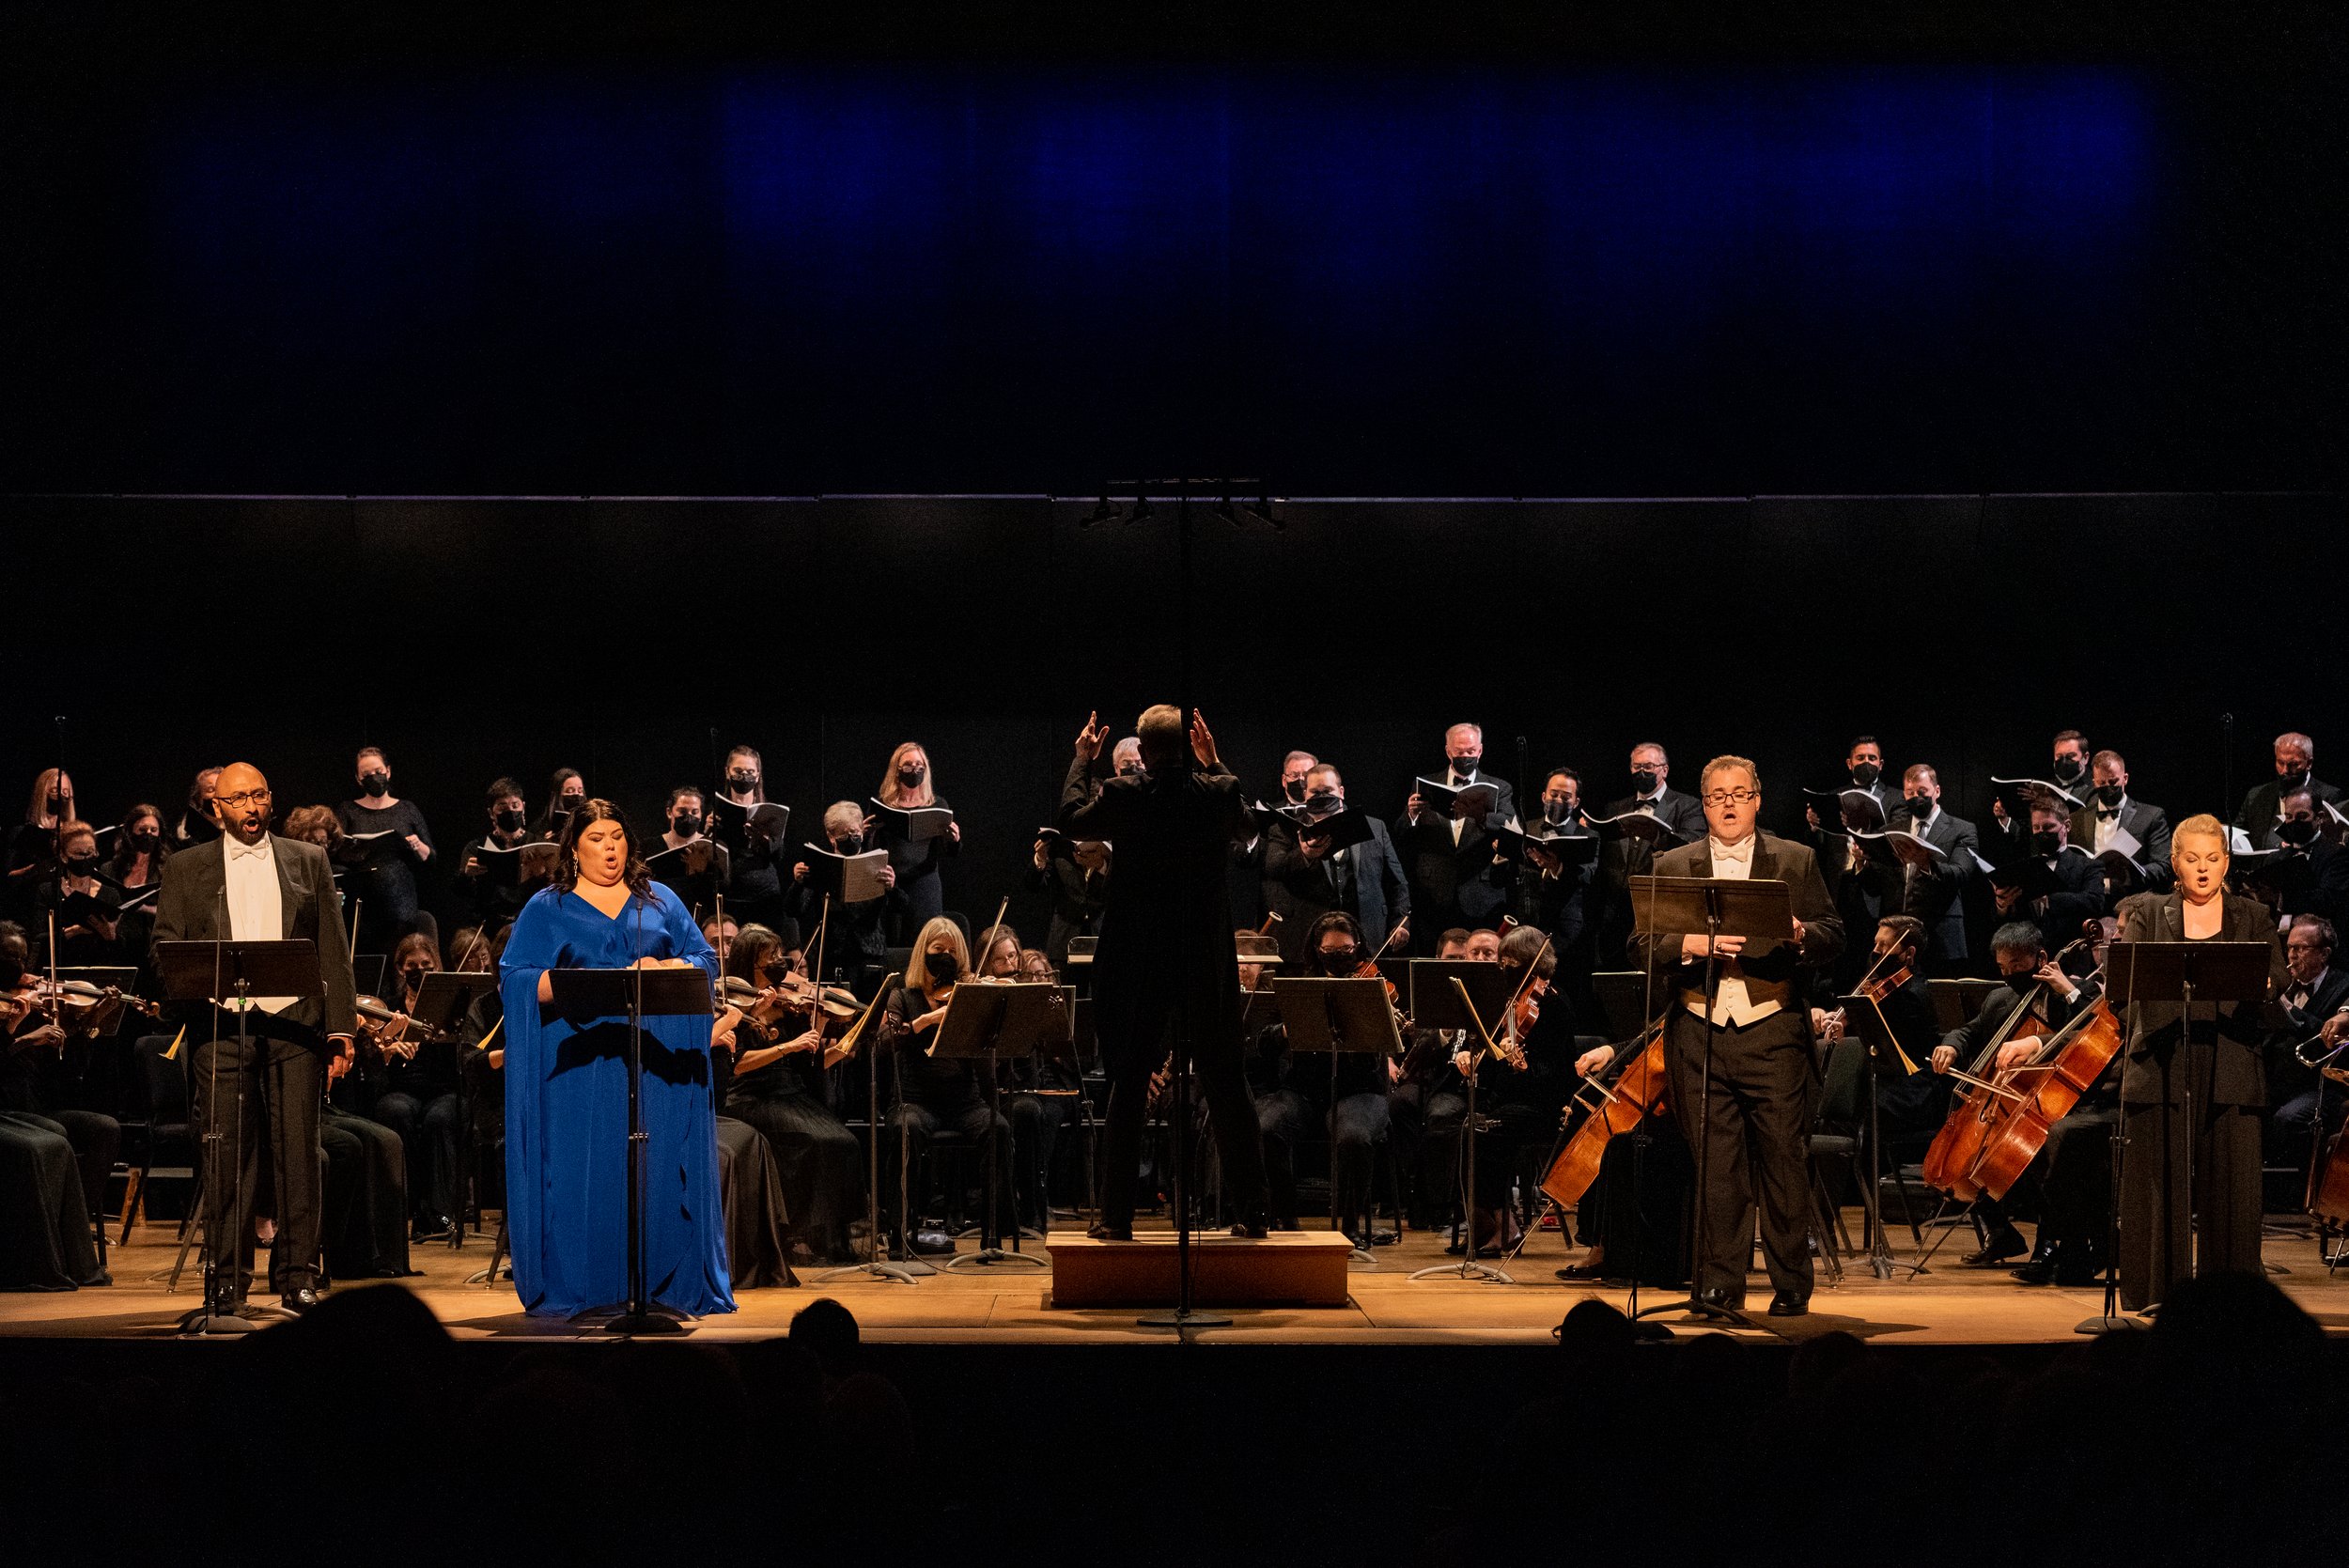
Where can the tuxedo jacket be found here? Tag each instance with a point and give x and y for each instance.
(1377, 894)
(1621, 859)
(1443, 873)
(2148, 825)
(1773, 970)
(1937, 894)
(193, 907)
(2287, 1075)
(2220, 1064)
(2258, 816)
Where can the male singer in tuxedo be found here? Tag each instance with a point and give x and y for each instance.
(2112, 810)
(2296, 769)
(1304, 877)
(1624, 856)
(1935, 892)
(1449, 859)
(251, 885)
(1166, 962)
(1762, 1062)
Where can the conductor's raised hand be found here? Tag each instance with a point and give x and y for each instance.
(1203, 740)
(1090, 737)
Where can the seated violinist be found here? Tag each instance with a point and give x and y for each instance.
(1909, 1105)
(2070, 1178)
(779, 1087)
(417, 1092)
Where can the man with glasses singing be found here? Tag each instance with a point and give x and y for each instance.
(250, 885)
(1762, 1065)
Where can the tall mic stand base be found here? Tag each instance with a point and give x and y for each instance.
(1182, 1318)
(206, 1320)
(651, 1320)
(1705, 1312)
(2102, 1323)
(988, 1256)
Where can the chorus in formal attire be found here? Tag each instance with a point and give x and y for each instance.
(566, 1090)
(908, 785)
(384, 843)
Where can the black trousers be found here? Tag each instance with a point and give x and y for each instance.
(428, 1129)
(97, 1139)
(1036, 1124)
(1758, 1128)
(2158, 1233)
(917, 1122)
(283, 1084)
(1231, 1110)
(1282, 1119)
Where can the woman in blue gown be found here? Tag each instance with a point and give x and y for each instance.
(566, 1092)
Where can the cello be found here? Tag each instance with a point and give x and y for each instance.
(2328, 1170)
(2066, 1068)
(1634, 1092)
(1957, 1148)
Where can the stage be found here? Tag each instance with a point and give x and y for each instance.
(1011, 1304)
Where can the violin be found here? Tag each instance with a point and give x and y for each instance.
(797, 993)
(385, 1027)
(79, 997)
(1523, 1011)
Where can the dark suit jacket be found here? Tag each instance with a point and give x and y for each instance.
(2220, 1067)
(1775, 971)
(192, 908)
(1622, 859)
(1379, 895)
(2148, 825)
(1937, 896)
(1166, 925)
(2286, 1074)
(2258, 816)
(1444, 875)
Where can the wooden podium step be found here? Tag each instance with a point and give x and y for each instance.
(1288, 1269)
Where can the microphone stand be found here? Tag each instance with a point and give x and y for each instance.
(219, 1314)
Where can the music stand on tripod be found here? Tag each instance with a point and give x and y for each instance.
(635, 993)
(1467, 1267)
(1714, 907)
(1332, 1016)
(209, 972)
(2184, 972)
(984, 1019)
(444, 997)
(1865, 1020)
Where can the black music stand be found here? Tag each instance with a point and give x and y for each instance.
(635, 993)
(2189, 972)
(985, 1018)
(1714, 907)
(1865, 1019)
(1432, 1002)
(1467, 1267)
(206, 971)
(1331, 1016)
(445, 997)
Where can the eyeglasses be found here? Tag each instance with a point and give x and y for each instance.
(241, 799)
(1730, 796)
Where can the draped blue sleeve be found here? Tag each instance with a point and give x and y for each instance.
(566, 1118)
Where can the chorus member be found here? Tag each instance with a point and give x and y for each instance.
(779, 1088)
(687, 861)
(1449, 857)
(82, 904)
(199, 823)
(1294, 768)
(488, 880)
(1075, 877)
(907, 784)
(567, 1089)
(2296, 769)
(1624, 856)
(2068, 770)
(2111, 811)
(2190, 1189)
(140, 849)
(2074, 885)
(2315, 1004)
(566, 793)
(32, 848)
(856, 935)
(1549, 894)
(1933, 891)
(250, 885)
(1165, 973)
(1306, 876)
(1863, 771)
(756, 865)
(933, 1091)
(417, 1098)
(1762, 1070)
(384, 843)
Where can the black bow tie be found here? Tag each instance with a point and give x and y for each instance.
(2104, 816)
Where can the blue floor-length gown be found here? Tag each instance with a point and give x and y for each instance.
(566, 1118)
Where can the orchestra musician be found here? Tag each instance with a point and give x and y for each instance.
(907, 784)
(781, 1089)
(250, 885)
(44, 1063)
(1306, 878)
(1762, 1065)
(1167, 966)
(2296, 769)
(1044, 1101)
(933, 1091)
(1425, 1096)
(2176, 1225)
(384, 841)
(417, 1092)
(1335, 947)
(1448, 857)
(2315, 1003)
(47, 1240)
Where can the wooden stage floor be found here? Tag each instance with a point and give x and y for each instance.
(1951, 1305)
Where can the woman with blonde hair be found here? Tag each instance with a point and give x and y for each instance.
(908, 785)
(933, 1091)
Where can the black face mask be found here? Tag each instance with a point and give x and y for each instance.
(688, 823)
(1465, 767)
(741, 781)
(2046, 843)
(1557, 813)
(1644, 781)
(1322, 802)
(569, 804)
(940, 967)
(2109, 793)
(2068, 769)
(1337, 962)
(848, 846)
(147, 842)
(911, 777)
(2285, 782)
(1920, 806)
(2295, 833)
(1294, 790)
(1866, 775)
(80, 866)
(375, 784)
(1131, 771)
(509, 821)
(56, 805)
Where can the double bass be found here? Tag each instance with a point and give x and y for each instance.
(2328, 1173)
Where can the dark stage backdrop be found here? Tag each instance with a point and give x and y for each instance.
(632, 639)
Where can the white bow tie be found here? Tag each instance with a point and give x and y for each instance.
(1742, 853)
(239, 851)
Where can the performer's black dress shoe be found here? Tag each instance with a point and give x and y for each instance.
(1787, 1303)
(299, 1301)
(1106, 1232)
(2002, 1244)
(2039, 1271)
(1719, 1295)
(1583, 1271)
(2078, 1264)
(1250, 1230)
